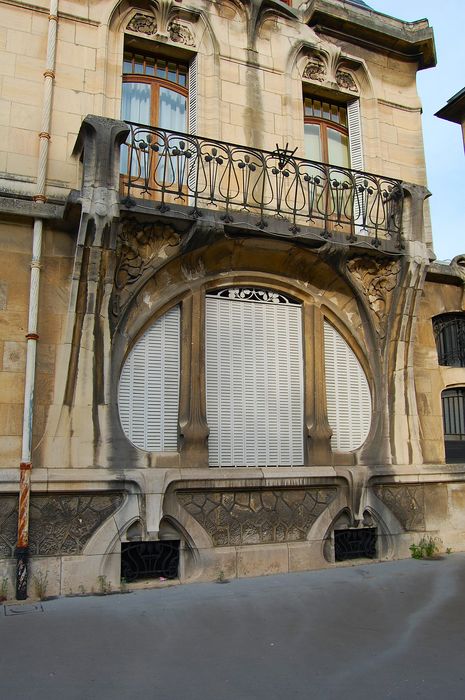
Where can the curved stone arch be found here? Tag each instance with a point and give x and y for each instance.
(205, 45)
(372, 517)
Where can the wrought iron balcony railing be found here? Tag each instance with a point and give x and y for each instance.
(200, 173)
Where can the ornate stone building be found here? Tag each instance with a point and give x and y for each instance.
(224, 360)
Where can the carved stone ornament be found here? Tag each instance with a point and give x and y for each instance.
(377, 278)
(143, 24)
(58, 524)
(257, 516)
(180, 33)
(315, 70)
(406, 501)
(346, 81)
(140, 246)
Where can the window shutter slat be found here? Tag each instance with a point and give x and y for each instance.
(347, 393)
(148, 393)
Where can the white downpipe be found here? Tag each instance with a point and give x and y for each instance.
(32, 335)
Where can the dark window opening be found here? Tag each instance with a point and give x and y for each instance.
(355, 544)
(449, 332)
(142, 560)
(453, 411)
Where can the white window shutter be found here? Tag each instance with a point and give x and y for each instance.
(355, 135)
(192, 100)
(347, 393)
(148, 394)
(254, 382)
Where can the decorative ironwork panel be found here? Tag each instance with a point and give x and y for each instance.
(252, 294)
(198, 172)
(257, 517)
(355, 544)
(449, 332)
(141, 560)
(59, 524)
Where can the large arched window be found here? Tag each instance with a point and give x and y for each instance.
(254, 378)
(453, 411)
(449, 332)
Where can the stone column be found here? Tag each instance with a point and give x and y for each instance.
(192, 404)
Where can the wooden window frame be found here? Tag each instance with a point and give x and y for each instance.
(326, 124)
(157, 82)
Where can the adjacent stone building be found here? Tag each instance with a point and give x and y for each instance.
(232, 353)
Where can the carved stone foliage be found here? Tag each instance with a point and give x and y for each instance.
(257, 516)
(346, 81)
(377, 278)
(181, 33)
(406, 501)
(58, 524)
(315, 70)
(140, 246)
(144, 24)
(163, 26)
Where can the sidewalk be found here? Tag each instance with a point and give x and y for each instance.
(385, 630)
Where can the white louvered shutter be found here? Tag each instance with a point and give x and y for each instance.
(192, 105)
(347, 393)
(148, 393)
(356, 151)
(355, 135)
(254, 382)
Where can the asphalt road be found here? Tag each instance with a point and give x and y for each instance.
(386, 630)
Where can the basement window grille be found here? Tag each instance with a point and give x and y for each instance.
(355, 544)
(146, 560)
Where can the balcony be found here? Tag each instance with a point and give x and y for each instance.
(274, 192)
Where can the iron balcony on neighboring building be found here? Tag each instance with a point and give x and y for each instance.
(262, 187)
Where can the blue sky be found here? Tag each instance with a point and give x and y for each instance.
(445, 158)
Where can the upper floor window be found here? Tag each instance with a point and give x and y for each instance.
(155, 91)
(326, 132)
(449, 332)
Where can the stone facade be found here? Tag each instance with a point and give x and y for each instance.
(115, 259)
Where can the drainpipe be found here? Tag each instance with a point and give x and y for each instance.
(22, 545)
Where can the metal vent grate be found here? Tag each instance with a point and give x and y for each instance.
(142, 560)
(355, 544)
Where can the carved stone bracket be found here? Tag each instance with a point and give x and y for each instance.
(377, 279)
(140, 247)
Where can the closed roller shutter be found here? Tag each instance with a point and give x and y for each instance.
(254, 382)
(347, 393)
(148, 395)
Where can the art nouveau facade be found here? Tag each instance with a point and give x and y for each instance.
(245, 359)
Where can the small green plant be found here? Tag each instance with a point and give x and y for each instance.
(3, 588)
(221, 578)
(449, 550)
(104, 586)
(81, 589)
(124, 585)
(426, 548)
(40, 581)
